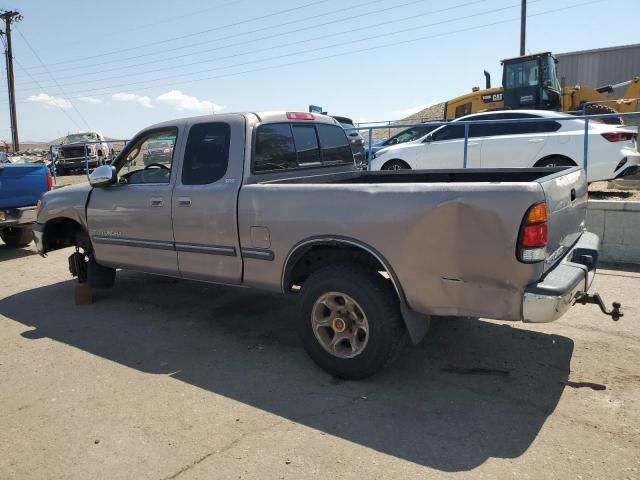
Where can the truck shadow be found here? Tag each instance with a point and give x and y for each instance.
(9, 253)
(472, 391)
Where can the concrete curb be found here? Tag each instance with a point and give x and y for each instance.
(618, 226)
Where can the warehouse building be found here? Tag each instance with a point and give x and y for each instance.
(598, 67)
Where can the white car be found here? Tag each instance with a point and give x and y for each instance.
(612, 149)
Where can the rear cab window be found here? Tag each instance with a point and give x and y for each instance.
(295, 146)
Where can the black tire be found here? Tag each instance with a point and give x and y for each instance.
(379, 304)
(600, 109)
(99, 276)
(16, 237)
(555, 161)
(60, 171)
(396, 165)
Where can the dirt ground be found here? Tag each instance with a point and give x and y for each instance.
(195, 381)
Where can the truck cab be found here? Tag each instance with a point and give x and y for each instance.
(531, 81)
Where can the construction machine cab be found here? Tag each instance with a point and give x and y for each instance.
(531, 81)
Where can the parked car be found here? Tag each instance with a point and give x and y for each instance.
(613, 151)
(406, 135)
(158, 152)
(21, 186)
(71, 152)
(274, 201)
(356, 141)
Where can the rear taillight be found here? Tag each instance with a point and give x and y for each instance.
(618, 136)
(534, 234)
(49, 181)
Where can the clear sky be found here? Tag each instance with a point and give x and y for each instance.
(119, 66)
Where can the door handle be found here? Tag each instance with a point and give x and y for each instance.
(184, 201)
(475, 144)
(536, 140)
(157, 202)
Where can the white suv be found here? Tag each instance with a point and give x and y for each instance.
(612, 149)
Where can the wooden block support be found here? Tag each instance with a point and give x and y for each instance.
(83, 295)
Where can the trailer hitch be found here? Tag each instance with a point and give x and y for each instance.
(615, 313)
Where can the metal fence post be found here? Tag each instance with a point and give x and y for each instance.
(86, 161)
(586, 144)
(466, 142)
(370, 145)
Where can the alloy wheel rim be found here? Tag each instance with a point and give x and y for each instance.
(340, 325)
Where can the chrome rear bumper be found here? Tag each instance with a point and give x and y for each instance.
(550, 298)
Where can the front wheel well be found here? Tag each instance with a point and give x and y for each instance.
(64, 232)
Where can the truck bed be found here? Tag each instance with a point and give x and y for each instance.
(431, 176)
(451, 235)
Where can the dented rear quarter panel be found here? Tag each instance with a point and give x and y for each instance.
(452, 246)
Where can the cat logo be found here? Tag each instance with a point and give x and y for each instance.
(492, 98)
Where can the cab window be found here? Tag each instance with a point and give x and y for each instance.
(149, 159)
(206, 156)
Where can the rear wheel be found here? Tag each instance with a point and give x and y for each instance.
(16, 237)
(556, 161)
(350, 322)
(396, 165)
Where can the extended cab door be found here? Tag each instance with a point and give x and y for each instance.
(205, 201)
(444, 148)
(130, 221)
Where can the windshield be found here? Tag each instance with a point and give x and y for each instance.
(549, 75)
(522, 74)
(409, 135)
(80, 138)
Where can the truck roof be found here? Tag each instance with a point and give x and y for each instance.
(253, 117)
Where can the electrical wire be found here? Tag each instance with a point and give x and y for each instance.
(350, 52)
(55, 104)
(300, 52)
(170, 19)
(260, 39)
(120, 60)
(55, 81)
(193, 34)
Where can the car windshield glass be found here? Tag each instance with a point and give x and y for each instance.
(80, 137)
(522, 74)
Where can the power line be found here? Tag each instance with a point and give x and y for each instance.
(307, 40)
(241, 34)
(170, 19)
(226, 37)
(193, 34)
(55, 81)
(55, 104)
(352, 52)
(300, 52)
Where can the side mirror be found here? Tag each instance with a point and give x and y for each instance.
(103, 175)
(428, 139)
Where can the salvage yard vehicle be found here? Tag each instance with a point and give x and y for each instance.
(613, 149)
(71, 153)
(21, 186)
(273, 201)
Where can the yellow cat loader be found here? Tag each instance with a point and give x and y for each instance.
(531, 82)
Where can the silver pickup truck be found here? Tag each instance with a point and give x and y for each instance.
(273, 201)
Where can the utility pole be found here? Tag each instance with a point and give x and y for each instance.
(9, 17)
(523, 26)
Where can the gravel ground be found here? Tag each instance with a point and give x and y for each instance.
(164, 379)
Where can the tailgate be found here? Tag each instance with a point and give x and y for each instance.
(21, 184)
(566, 195)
